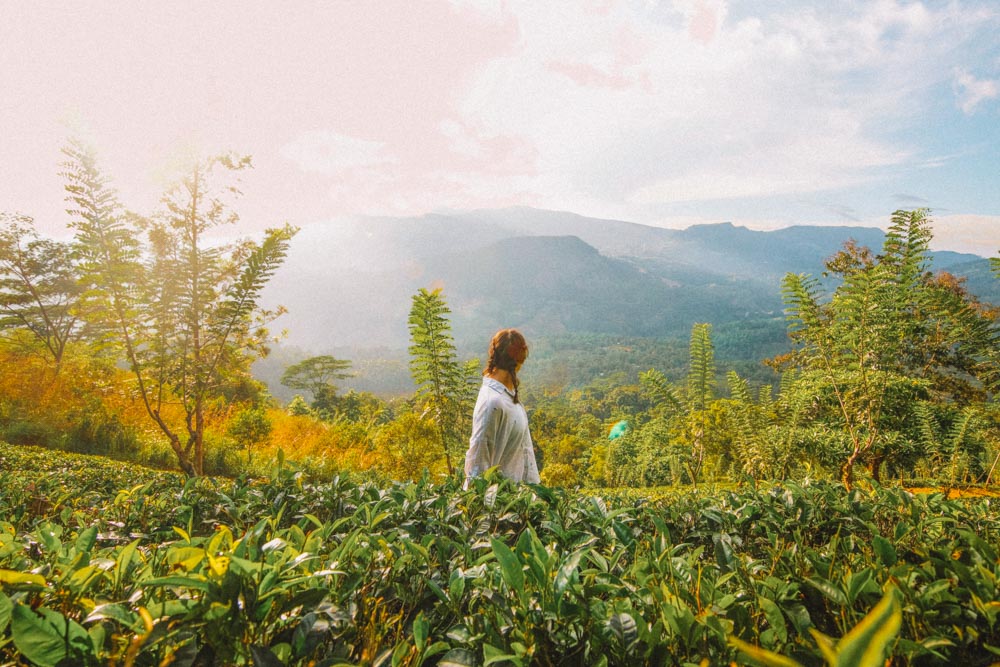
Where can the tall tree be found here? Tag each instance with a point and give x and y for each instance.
(38, 286)
(183, 310)
(891, 334)
(316, 375)
(688, 409)
(443, 384)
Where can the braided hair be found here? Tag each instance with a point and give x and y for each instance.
(508, 350)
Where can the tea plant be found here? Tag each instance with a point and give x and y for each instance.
(102, 563)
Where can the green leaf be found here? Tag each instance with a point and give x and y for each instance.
(6, 607)
(115, 612)
(188, 582)
(490, 497)
(884, 550)
(264, 657)
(46, 637)
(458, 657)
(50, 537)
(625, 630)
(565, 574)
(456, 586)
(724, 555)
(865, 645)
(123, 561)
(510, 566)
(492, 654)
(774, 617)
(762, 657)
(15, 578)
(421, 628)
(86, 539)
(829, 589)
(437, 590)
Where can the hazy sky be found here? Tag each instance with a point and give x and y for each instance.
(671, 113)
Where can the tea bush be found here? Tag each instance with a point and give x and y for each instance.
(107, 563)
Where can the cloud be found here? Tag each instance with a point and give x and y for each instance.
(648, 104)
(330, 153)
(972, 92)
(979, 234)
(904, 198)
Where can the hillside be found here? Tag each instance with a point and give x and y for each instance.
(549, 272)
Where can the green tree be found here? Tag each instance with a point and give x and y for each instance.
(181, 309)
(444, 386)
(39, 292)
(689, 409)
(316, 375)
(767, 431)
(891, 334)
(298, 407)
(249, 428)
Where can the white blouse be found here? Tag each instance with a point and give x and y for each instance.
(500, 436)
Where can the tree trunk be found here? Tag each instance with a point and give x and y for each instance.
(199, 437)
(875, 467)
(182, 458)
(847, 471)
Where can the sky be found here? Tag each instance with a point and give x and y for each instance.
(670, 113)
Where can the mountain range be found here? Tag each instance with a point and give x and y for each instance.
(349, 284)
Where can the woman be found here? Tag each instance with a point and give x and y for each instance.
(500, 434)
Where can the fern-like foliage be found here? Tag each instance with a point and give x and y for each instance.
(183, 310)
(658, 389)
(443, 384)
(240, 299)
(891, 331)
(701, 376)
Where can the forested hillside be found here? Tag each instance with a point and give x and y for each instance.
(346, 283)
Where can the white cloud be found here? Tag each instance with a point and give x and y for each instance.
(650, 103)
(327, 152)
(972, 92)
(630, 106)
(967, 233)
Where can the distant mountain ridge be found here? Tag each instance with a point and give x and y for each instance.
(549, 272)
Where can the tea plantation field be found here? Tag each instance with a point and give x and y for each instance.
(103, 563)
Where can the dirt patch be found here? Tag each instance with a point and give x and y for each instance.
(968, 492)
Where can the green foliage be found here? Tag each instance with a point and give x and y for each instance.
(126, 565)
(865, 645)
(690, 412)
(444, 386)
(891, 334)
(183, 312)
(763, 429)
(316, 375)
(250, 427)
(39, 293)
(298, 406)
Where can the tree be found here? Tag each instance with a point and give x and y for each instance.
(891, 334)
(766, 431)
(443, 384)
(182, 311)
(689, 409)
(38, 286)
(250, 427)
(316, 375)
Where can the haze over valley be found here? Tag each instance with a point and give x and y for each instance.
(348, 286)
